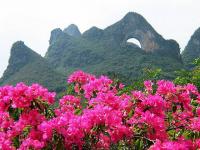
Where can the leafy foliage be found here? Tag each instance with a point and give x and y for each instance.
(190, 76)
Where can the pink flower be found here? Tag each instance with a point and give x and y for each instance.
(165, 87)
(148, 86)
(172, 145)
(99, 116)
(195, 124)
(80, 77)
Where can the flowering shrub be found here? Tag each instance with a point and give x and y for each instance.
(22, 109)
(97, 114)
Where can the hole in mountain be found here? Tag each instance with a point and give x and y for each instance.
(134, 41)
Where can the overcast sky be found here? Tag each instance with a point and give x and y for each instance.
(32, 20)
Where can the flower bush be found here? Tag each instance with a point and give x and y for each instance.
(97, 114)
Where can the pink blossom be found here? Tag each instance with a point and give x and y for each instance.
(148, 86)
(99, 116)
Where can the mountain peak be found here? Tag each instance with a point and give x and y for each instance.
(19, 48)
(19, 57)
(72, 30)
(130, 15)
(18, 43)
(27, 66)
(21, 53)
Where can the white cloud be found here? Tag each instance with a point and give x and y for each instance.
(32, 20)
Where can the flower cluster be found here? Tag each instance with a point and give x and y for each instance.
(22, 109)
(98, 114)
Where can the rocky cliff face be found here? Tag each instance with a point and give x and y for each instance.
(192, 50)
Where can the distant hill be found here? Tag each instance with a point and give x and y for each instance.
(192, 50)
(27, 66)
(98, 51)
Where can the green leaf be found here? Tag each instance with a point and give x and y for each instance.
(78, 111)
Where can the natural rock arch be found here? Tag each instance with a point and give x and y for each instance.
(145, 39)
(134, 41)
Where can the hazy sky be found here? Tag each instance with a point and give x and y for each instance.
(32, 20)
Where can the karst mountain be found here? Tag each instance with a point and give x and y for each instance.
(99, 51)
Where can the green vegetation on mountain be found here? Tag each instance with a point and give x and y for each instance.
(190, 76)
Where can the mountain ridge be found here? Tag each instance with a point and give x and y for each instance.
(100, 51)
